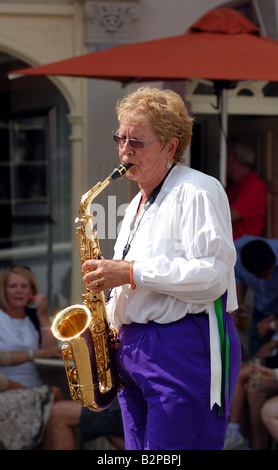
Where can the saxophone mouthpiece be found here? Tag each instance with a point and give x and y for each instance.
(120, 171)
(128, 165)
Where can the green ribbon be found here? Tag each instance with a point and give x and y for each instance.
(220, 309)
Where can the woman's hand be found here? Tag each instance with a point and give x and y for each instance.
(105, 274)
(19, 357)
(48, 341)
(48, 353)
(266, 372)
(41, 303)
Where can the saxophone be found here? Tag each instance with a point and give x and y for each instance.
(88, 357)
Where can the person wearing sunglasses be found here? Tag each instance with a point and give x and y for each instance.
(172, 281)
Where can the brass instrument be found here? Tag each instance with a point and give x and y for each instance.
(88, 356)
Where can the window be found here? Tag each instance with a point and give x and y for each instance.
(35, 183)
(25, 180)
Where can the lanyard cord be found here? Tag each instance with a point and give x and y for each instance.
(148, 203)
(133, 228)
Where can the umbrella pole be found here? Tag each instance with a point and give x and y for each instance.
(223, 137)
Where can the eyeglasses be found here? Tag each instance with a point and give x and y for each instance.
(134, 143)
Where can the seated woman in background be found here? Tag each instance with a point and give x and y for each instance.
(24, 335)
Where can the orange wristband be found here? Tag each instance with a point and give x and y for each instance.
(133, 286)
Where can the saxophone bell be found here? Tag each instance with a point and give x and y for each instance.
(74, 326)
(71, 322)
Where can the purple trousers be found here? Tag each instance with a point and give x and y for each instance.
(166, 401)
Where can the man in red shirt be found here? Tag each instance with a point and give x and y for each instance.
(247, 193)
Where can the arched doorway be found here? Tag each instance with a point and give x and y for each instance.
(35, 181)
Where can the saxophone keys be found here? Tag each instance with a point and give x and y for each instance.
(69, 354)
(74, 376)
(66, 352)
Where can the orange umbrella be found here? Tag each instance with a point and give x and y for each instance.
(223, 46)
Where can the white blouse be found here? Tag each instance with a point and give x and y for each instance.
(19, 335)
(184, 257)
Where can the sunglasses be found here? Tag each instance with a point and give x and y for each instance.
(134, 143)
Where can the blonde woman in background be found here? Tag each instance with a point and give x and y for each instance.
(24, 335)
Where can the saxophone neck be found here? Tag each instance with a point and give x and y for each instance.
(88, 197)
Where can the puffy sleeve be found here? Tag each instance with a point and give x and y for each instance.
(194, 258)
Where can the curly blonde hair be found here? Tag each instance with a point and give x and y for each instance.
(23, 271)
(163, 110)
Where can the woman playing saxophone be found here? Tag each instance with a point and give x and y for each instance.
(174, 259)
